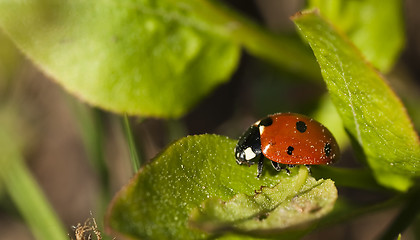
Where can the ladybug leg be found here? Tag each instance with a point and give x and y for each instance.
(260, 166)
(277, 166)
(239, 162)
(247, 163)
(287, 168)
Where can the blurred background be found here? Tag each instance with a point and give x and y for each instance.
(57, 135)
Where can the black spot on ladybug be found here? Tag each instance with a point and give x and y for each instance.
(301, 126)
(266, 122)
(290, 150)
(327, 149)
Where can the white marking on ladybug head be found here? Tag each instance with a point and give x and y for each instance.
(249, 154)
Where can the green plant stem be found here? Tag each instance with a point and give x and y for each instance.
(345, 211)
(355, 178)
(134, 157)
(21, 185)
(31, 202)
(287, 53)
(407, 215)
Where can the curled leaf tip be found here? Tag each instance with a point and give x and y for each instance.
(305, 12)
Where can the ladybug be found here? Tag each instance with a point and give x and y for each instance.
(286, 139)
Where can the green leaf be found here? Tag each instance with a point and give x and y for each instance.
(152, 58)
(166, 195)
(370, 110)
(262, 43)
(10, 59)
(376, 27)
(288, 205)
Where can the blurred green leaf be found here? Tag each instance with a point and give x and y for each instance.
(285, 52)
(376, 27)
(187, 181)
(143, 57)
(9, 62)
(370, 110)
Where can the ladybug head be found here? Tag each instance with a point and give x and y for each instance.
(248, 148)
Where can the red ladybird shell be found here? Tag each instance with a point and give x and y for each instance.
(296, 139)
